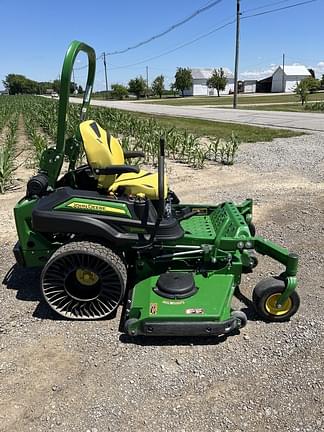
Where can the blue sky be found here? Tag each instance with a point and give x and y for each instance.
(34, 35)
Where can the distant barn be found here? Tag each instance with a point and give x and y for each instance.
(199, 83)
(285, 80)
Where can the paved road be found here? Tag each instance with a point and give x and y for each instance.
(292, 120)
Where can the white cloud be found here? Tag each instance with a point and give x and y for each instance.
(319, 69)
(258, 74)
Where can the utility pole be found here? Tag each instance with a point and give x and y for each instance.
(147, 82)
(106, 79)
(73, 79)
(283, 73)
(237, 52)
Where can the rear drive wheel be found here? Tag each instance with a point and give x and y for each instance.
(84, 281)
(265, 296)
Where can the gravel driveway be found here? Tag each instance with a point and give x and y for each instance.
(84, 376)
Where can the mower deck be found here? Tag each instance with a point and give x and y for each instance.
(155, 313)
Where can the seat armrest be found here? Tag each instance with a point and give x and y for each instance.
(117, 169)
(133, 154)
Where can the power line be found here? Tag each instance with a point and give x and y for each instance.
(85, 66)
(205, 34)
(279, 9)
(266, 5)
(208, 6)
(176, 48)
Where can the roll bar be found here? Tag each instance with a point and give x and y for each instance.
(70, 56)
(52, 158)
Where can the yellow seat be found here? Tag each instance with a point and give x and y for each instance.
(102, 151)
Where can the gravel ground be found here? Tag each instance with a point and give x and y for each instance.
(74, 376)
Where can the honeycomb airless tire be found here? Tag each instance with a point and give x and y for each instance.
(84, 281)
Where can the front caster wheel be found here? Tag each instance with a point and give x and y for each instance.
(265, 296)
(240, 317)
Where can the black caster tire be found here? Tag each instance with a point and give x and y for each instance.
(241, 317)
(253, 262)
(252, 229)
(84, 281)
(265, 296)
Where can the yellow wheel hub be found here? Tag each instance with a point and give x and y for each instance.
(86, 277)
(272, 308)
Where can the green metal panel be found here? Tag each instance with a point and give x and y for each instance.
(114, 208)
(224, 222)
(210, 303)
(34, 247)
(199, 228)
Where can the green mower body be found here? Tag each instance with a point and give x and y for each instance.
(173, 267)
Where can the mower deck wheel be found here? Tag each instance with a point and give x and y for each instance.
(84, 281)
(241, 317)
(265, 296)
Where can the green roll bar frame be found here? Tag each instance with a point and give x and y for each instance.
(52, 158)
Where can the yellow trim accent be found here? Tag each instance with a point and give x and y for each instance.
(86, 277)
(95, 207)
(141, 183)
(271, 305)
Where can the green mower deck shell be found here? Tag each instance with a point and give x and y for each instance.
(211, 302)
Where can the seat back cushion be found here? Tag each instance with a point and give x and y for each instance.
(102, 150)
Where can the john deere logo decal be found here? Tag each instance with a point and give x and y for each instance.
(95, 208)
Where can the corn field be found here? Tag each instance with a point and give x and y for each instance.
(134, 132)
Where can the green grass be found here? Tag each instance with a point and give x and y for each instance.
(199, 127)
(228, 100)
(289, 107)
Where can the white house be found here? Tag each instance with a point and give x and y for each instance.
(199, 83)
(287, 79)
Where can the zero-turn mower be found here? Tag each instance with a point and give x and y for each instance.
(109, 233)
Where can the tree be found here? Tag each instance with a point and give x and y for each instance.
(16, 84)
(118, 91)
(313, 84)
(158, 86)
(183, 79)
(56, 85)
(80, 89)
(218, 80)
(137, 86)
(305, 87)
(173, 89)
(302, 91)
(322, 81)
